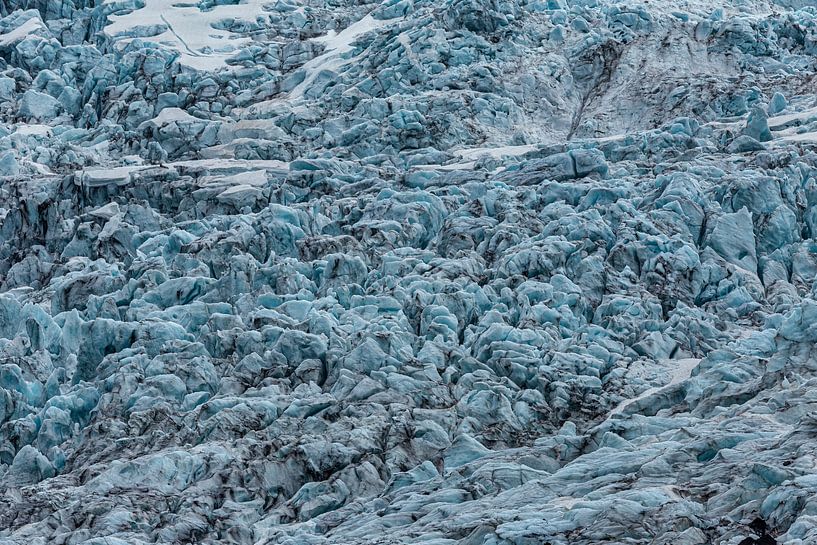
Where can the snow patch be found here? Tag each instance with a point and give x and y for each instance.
(336, 46)
(678, 374)
(21, 32)
(188, 30)
(497, 152)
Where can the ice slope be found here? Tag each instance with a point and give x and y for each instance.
(473, 272)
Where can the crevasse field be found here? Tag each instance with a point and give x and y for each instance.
(433, 272)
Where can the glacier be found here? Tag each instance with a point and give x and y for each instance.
(464, 272)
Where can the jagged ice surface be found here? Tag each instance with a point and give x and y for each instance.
(474, 272)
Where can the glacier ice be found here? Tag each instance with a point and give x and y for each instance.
(476, 272)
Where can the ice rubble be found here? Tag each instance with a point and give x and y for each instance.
(465, 272)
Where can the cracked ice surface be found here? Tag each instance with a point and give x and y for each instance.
(467, 272)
